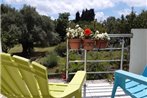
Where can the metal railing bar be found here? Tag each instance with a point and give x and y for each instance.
(121, 35)
(96, 49)
(118, 60)
(71, 73)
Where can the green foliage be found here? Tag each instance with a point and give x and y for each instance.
(62, 64)
(61, 49)
(27, 27)
(50, 61)
(126, 23)
(10, 31)
(9, 41)
(62, 23)
(93, 25)
(141, 21)
(98, 66)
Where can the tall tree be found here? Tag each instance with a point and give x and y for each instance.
(10, 19)
(62, 24)
(30, 17)
(88, 15)
(77, 17)
(130, 21)
(27, 27)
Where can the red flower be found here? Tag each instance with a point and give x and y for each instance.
(87, 32)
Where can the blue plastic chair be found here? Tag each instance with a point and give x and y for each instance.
(132, 84)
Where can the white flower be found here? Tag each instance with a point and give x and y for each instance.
(77, 32)
(102, 36)
(77, 26)
(97, 32)
(67, 34)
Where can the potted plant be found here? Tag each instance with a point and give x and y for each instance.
(88, 42)
(101, 39)
(74, 36)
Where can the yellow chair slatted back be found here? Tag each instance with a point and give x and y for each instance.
(23, 79)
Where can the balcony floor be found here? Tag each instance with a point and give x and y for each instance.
(96, 89)
(102, 89)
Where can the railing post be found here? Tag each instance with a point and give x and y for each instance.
(85, 66)
(84, 93)
(122, 53)
(67, 59)
(85, 59)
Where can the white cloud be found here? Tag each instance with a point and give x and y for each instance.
(53, 7)
(100, 16)
(124, 12)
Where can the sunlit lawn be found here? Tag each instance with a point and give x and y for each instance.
(18, 49)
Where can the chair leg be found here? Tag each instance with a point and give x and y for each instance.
(78, 94)
(114, 90)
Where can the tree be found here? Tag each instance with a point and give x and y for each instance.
(131, 21)
(111, 24)
(26, 27)
(77, 17)
(10, 19)
(62, 24)
(44, 33)
(30, 17)
(88, 15)
(142, 19)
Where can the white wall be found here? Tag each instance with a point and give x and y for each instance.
(138, 50)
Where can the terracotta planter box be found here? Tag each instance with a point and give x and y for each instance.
(74, 43)
(88, 44)
(101, 43)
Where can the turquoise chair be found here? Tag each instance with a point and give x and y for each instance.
(21, 78)
(132, 84)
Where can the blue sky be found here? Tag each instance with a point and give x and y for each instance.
(103, 8)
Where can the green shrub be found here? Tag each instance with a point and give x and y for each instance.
(50, 61)
(61, 49)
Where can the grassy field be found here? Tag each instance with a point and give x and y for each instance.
(39, 53)
(18, 49)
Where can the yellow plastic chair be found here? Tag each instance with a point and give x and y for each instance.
(21, 78)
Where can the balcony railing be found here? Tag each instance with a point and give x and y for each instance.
(85, 60)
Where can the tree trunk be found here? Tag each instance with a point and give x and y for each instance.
(27, 48)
